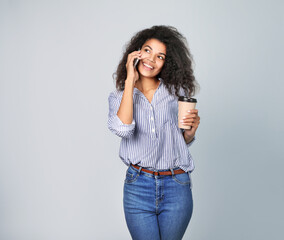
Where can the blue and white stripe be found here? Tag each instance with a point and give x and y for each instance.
(153, 139)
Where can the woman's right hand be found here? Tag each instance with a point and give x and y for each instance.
(132, 73)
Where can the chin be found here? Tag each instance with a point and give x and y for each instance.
(148, 75)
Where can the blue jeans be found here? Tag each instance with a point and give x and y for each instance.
(157, 207)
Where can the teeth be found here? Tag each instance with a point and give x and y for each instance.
(147, 65)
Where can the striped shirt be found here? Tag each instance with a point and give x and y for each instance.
(153, 139)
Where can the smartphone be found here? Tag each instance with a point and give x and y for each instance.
(136, 60)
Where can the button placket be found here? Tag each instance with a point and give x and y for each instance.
(152, 122)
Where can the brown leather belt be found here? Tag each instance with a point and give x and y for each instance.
(178, 171)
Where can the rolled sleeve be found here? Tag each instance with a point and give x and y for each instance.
(115, 125)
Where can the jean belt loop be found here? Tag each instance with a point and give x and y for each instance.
(139, 170)
(156, 171)
(173, 173)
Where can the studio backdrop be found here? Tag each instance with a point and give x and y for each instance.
(60, 174)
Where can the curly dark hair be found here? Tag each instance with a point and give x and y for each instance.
(177, 71)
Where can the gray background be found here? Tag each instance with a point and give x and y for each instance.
(60, 174)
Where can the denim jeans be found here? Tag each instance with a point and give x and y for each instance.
(157, 207)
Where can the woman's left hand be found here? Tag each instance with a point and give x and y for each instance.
(191, 119)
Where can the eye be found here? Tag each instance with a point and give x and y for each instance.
(147, 50)
(161, 57)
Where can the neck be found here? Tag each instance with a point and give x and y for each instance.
(145, 84)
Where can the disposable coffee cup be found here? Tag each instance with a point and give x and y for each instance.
(185, 104)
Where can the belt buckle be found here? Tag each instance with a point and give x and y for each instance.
(157, 173)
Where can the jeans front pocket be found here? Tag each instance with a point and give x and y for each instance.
(131, 175)
(182, 179)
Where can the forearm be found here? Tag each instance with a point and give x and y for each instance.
(125, 111)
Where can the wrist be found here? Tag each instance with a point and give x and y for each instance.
(129, 82)
(187, 138)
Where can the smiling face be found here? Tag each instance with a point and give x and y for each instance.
(152, 58)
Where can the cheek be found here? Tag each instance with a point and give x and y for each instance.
(160, 66)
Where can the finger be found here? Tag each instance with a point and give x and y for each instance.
(195, 125)
(131, 59)
(197, 118)
(193, 111)
(188, 116)
(136, 53)
(187, 124)
(187, 121)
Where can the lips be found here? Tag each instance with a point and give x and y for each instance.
(147, 66)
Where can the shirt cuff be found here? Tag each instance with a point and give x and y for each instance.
(121, 129)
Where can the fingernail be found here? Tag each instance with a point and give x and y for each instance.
(184, 118)
(181, 121)
(188, 111)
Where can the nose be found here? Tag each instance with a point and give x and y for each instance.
(152, 58)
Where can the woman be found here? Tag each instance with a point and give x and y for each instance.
(143, 111)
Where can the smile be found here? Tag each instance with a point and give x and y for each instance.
(148, 66)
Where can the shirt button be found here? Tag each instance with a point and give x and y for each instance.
(152, 118)
(153, 130)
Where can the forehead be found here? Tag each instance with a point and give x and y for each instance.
(156, 45)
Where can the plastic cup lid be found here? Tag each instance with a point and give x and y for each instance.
(186, 99)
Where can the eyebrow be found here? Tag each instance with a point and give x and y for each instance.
(152, 49)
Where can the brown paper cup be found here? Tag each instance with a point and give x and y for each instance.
(185, 104)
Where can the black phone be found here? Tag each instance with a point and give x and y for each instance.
(136, 60)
